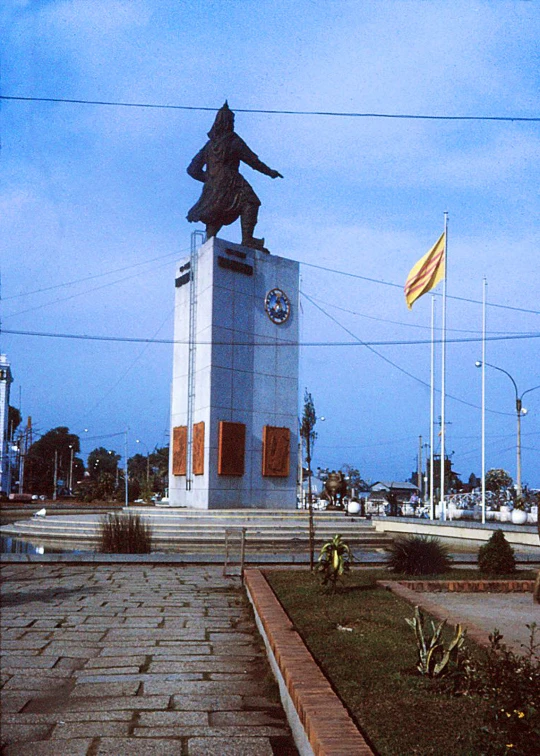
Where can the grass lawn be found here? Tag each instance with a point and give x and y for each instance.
(373, 667)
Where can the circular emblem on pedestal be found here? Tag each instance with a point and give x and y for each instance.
(277, 306)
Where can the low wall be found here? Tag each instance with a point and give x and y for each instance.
(516, 535)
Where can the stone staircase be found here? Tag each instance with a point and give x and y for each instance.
(274, 529)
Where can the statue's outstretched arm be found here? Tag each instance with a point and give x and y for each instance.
(251, 159)
(196, 168)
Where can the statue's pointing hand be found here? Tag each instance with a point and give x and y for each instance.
(275, 174)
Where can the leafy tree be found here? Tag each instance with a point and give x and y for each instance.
(355, 480)
(498, 480)
(159, 466)
(150, 471)
(103, 461)
(474, 481)
(307, 431)
(40, 460)
(308, 436)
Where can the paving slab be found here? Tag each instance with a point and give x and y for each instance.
(136, 659)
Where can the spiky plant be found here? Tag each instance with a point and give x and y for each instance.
(419, 555)
(334, 561)
(125, 534)
(433, 658)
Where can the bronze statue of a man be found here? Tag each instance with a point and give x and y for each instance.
(226, 194)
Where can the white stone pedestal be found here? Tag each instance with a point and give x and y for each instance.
(244, 371)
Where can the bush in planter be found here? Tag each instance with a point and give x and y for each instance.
(419, 555)
(496, 557)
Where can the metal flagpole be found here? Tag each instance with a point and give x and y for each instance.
(432, 416)
(484, 293)
(443, 370)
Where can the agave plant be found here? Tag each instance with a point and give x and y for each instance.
(334, 561)
(433, 658)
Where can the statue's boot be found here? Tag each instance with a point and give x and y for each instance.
(253, 243)
(248, 221)
(212, 230)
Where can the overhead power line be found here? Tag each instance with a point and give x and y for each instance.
(94, 275)
(383, 357)
(400, 286)
(271, 111)
(82, 293)
(180, 252)
(409, 325)
(357, 342)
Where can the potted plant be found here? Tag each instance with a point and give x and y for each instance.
(519, 515)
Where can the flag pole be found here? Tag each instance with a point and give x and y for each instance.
(484, 296)
(432, 415)
(443, 370)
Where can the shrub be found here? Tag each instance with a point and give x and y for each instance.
(496, 557)
(511, 685)
(419, 555)
(334, 561)
(125, 534)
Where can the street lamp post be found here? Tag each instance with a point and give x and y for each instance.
(126, 482)
(520, 410)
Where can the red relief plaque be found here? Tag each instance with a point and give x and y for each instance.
(231, 448)
(198, 449)
(179, 450)
(276, 452)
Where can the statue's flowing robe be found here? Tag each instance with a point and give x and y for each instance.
(226, 192)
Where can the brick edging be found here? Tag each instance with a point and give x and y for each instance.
(470, 586)
(328, 726)
(413, 597)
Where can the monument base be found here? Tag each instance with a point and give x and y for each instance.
(234, 408)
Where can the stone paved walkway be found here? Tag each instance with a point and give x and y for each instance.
(510, 613)
(133, 659)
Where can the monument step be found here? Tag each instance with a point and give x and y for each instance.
(204, 529)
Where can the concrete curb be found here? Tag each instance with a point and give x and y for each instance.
(320, 724)
(470, 586)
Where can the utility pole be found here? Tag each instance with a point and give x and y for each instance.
(126, 469)
(70, 480)
(55, 474)
(21, 463)
(419, 467)
(300, 476)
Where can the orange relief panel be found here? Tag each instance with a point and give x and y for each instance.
(198, 449)
(179, 450)
(276, 451)
(231, 448)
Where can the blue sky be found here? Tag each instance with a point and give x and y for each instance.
(89, 190)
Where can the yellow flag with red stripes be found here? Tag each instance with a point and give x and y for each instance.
(427, 272)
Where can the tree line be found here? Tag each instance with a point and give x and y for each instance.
(54, 462)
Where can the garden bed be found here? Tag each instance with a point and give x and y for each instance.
(360, 639)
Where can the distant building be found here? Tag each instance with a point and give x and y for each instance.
(402, 489)
(6, 379)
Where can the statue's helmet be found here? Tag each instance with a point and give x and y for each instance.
(224, 122)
